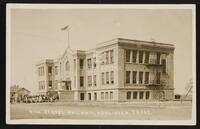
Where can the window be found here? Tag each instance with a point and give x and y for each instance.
(40, 86)
(102, 77)
(50, 84)
(81, 81)
(89, 96)
(107, 77)
(39, 72)
(128, 55)
(135, 94)
(67, 66)
(134, 56)
(158, 78)
(140, 56)
(43, 84)
(128, 76)
(140, 77)
(81, 63)
(89, 80)
(49, 69)
(107, 57)
(112, 77)
(158, 58)
(106, 95)
(74, 63)
(146, 78)
(146, 58)
(42, 71)
(82, 95)
(147, 95)
(56, 84)
(164, 65)
(102, 95)
(111, 95)
(102, 58)
(94, 62)
(128, 95)
(89, 63)
(95, 96)
(95, 80)
(111, 56)
(134, 77)
(141, 95)
(56, 70)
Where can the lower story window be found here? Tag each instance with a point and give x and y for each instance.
(147, 94)
(106, 95)
(82, 96)
(111, 95)
(141, 95)
(135, 94)
(102, 95)
(128, 95)
(89, 96)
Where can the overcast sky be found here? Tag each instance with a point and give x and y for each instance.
(36, 35)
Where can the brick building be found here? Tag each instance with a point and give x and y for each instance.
(116, 70)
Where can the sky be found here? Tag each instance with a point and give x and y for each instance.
(36, 34)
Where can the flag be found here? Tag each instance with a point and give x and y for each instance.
(64, 28)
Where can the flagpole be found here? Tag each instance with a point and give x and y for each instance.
(68, 46)
(66, 28)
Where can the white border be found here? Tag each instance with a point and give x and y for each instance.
(99, 122)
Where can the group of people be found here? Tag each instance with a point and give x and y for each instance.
(37, 99)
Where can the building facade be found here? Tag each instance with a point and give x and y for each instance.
(116, 70)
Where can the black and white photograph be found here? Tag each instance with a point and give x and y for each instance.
(101, 64)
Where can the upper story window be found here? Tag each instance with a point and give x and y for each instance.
(158, 58)
(146, 78)
(81, 63)
(146, 57)
(134, 77)
(111, 56)
(128, 73)
(74, 63)
(95, 80)
(134, 56)
(49, 69)
(89, 80)
(67, 67)
(56, 70)
(41, 71)
(112, 77)
(164, 65)
(81, 81)
(107, 57)
(107, 77)
(102, 79)
(140, 77)
(158, 78)
(94, 62)
(128, 55)
(141, 56)
(89, 63)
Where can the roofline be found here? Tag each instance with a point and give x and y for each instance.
(123, 40)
